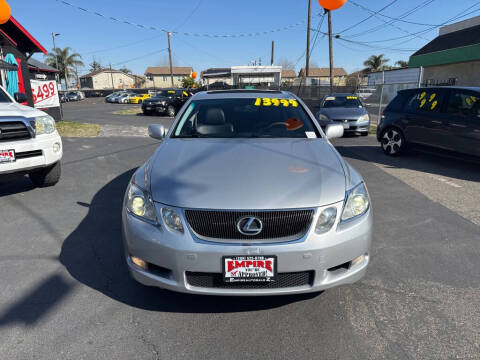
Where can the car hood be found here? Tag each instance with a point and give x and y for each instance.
(247, 173)
(15, 109)
(343, 113)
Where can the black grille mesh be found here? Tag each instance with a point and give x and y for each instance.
(13, 130)
(292, 224)
(284, 280)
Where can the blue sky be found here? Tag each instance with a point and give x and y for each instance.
(136, 48)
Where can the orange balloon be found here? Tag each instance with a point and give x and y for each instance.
(332, 4)
(194, 75)
(5, 12)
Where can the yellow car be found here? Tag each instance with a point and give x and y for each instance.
(139, 98)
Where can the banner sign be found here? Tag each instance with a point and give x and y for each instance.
(45, 94)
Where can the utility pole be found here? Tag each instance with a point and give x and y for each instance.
(170, 57)
(330, 48)
(111, 76)
(273, 53)
(307, 65)
(57, 75)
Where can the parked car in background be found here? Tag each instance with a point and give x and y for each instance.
(112, 98)
(29, 142)
(246, 196)
(167, 102)
(365, 93)
(63, 97)
(344, 109)
(125, 98)
(139, 98)
(75, 95)
(446, 118)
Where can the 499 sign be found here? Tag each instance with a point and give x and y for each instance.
(44, 94)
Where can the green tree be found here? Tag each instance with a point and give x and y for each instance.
(95, 66)
(125, 70)
(376, 62)
(67, 61)
(402, 63)
(188, 82)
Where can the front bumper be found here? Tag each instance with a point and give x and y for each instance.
(43, 143)
(146, 107)
(174, 255)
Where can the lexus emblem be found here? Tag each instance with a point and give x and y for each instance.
(249, 225)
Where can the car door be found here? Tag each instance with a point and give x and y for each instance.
(463, 124)
(424, 121)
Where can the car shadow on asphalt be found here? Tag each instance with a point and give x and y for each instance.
(442, 164)
(15, 185)
(93, 254)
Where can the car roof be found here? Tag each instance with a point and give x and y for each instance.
(340, 94)
(242, 94)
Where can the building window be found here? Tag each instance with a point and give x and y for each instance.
(179, 78)
(164, 78)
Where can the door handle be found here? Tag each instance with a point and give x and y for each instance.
(437, 122)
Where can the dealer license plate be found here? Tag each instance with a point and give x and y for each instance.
(346, 125)
(148, 108)
(7, 156)
(249, 268)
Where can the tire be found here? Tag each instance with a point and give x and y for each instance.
(48, 176)
(147, 113)
(139, 101)
(171, 111)
(392, 141)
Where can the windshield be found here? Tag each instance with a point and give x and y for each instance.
(4, 97)
(166, 93)
(342, 102)
(245, 118)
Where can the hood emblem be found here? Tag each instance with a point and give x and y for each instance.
(249, 225)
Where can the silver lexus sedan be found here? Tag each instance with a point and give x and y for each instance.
(245, 195)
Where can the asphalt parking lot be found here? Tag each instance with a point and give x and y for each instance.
(65, 292)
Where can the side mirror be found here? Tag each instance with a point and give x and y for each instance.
(20, 97)
(334, 131)
(157, 131)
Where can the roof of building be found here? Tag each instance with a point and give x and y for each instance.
(20, 37)
(165, 70)
(323, 72)
(96, 72)
(289, 73)
(465, 37)
(40, 66)
(212, 72)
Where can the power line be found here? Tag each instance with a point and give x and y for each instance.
(122, 46)
(402, 16)
(368, 17)
(139, 57)
(190, 15)
(153, 28)
(386, 16)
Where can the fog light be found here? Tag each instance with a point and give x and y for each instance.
(56, 147)
(139, 262)
(357, 260)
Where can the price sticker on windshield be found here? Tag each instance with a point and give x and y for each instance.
(352, 97)
(276, 102)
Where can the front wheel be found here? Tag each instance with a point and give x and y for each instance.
(139, 101)
(171, 111)
(392, 142)
(48, 176)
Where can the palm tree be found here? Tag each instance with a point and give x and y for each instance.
(376, 62)
(67, 62)
(402, 63)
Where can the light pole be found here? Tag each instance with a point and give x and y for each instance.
(55, 51)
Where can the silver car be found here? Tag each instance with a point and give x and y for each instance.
(245, 195)
(344, 109)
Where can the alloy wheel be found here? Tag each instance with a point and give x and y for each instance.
(392, 142)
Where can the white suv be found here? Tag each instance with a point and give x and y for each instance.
(29, 142)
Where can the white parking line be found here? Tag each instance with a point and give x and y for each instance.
(445, 181)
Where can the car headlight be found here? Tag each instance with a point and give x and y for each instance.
(172, 219)
(44, 125)
(326, 220)
(357, 202)
(140, 204)
(323, 117)
(364, 118)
